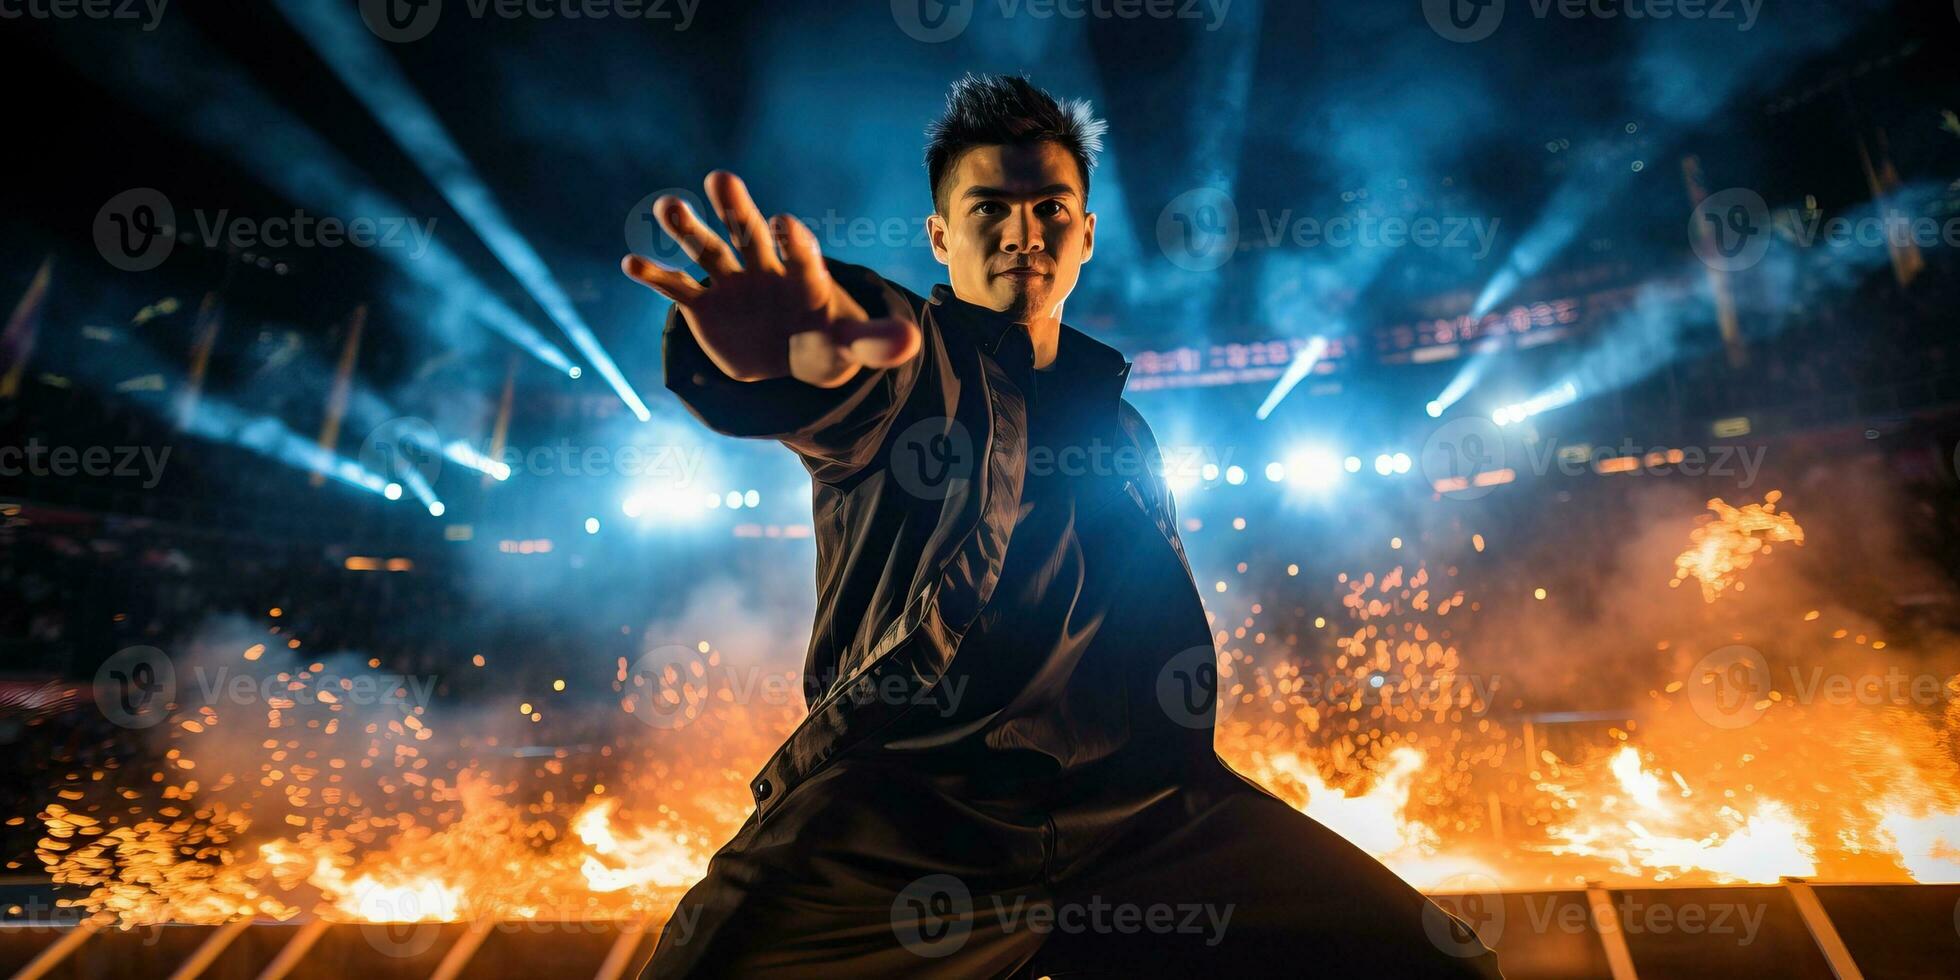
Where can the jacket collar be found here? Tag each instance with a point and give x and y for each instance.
(990, 330)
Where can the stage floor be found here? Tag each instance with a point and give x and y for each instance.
(1791, 930)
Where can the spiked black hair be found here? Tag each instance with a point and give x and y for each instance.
(1007, 110)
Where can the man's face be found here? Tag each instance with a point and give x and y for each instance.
(1014, 233)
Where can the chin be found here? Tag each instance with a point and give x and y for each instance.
(1023, 299)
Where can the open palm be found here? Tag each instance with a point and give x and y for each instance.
(770, 308)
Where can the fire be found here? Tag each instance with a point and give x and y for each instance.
(645, 858)
(1382, 728)
(1928, 844)
(1721, 549)
(421, 898)
(1657, 829)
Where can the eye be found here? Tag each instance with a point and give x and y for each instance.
(1051, 209)
(989, 208)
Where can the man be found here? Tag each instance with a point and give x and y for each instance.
(1007, 767)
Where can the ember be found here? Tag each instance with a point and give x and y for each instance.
(1384, 733)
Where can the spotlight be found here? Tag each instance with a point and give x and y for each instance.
(592, 525)
(1297, 371)
(1558, 397)
(1384, 464)
(1234, 474)
(463, 453)
(1435, 410)
(1180, 481)
(666, 502)
(752, 499)
(392, 491)
(1352, 464)
(375, 81)
(436, 509)
(1314, 468)
(576, 372)
(1275, 472)
(1402, 462)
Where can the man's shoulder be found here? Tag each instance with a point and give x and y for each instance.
(1134, 423)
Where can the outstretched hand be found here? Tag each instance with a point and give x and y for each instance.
(771, 309)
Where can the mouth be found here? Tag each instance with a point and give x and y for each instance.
(1023, 273)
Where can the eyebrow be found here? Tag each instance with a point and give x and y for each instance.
(1052, 190)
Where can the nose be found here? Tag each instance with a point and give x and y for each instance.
(1022, 233)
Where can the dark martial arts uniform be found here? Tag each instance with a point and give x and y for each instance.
(1047, 801)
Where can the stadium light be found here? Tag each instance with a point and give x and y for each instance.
(1315, 468)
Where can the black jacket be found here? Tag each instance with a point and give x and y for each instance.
(917, 474)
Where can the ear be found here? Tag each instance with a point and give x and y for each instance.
(1088, 235)
(936, 234)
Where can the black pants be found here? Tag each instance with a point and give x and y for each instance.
(875, 868)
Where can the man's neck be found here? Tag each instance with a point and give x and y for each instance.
(1045, 335)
